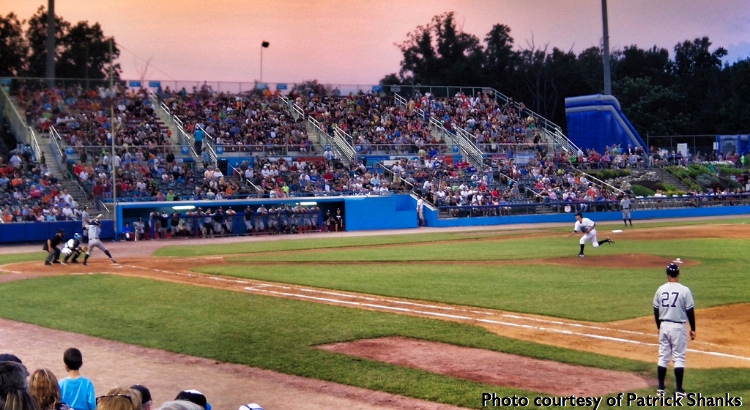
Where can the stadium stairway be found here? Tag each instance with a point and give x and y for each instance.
(65, 180)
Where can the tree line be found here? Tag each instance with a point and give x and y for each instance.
(687, 94)
(82, 50)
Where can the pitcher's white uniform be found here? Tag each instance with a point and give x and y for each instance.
(588, 228)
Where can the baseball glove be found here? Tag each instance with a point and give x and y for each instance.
(584, 229)
(84, 248)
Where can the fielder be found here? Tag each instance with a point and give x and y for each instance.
(626, 205)
(72, 248)
(588, 228)
(673, 306)
(94, 230)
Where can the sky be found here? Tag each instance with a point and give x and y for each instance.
(354, 42)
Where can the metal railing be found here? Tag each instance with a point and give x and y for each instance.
(468, 144)
(210, 144)
(296, 110)
(345, 152)
(23, 132)
(459, 138)
(345, 142)
(392, 176)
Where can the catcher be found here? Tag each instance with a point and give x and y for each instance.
(73, 248)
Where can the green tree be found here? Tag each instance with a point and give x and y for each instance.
(500, 58)
(699, 76)
(652, 109)
(85, 53)
(81, 50)
(36, 35)
(736, 107)
(13, 48)
(439, 53)
(634, 62)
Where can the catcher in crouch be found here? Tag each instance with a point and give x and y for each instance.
(94, 242)
(588, 228)
(73, 249)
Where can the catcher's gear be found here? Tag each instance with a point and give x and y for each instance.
(77, 236)
(673, 270)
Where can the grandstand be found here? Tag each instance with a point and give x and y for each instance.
(469, 152)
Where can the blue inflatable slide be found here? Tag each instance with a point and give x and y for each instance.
(596, 121)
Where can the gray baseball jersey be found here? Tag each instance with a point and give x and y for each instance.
(673, 299)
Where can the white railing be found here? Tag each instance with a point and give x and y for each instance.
(297, 111)
(17, 124)
(210, 144)
(468, 145)
(345, 142)
(345, 150)
(55, 143)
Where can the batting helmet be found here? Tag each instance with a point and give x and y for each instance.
(673, 270)
(96, 222)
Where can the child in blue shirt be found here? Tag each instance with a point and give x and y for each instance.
(76, 390)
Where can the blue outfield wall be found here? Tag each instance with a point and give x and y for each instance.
(41, 231)
(361, 213)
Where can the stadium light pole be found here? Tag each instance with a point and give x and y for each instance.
(263, 45)
(113, 132)
(605, 50)
(50, 43)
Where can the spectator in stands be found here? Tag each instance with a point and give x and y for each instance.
(194, 396)
(75, 390)
(43, 386)
(179, 405)
(14, 388)
(119, 398)
(146, 401)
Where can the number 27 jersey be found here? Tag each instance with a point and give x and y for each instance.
(673, 301)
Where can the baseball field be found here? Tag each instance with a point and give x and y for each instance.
(428, 318)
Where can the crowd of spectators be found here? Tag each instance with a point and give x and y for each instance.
(43, 390)
(260, 124)
(30, 192)
(248, 123)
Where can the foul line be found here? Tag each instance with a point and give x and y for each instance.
(261, 288)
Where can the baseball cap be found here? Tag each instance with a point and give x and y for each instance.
(194, 396)
(145, 392)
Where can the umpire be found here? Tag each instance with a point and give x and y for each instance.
(51, 246)
(673, 306)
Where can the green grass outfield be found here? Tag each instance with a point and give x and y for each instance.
(280, 334)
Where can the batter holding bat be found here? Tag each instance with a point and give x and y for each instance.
(94, 231)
